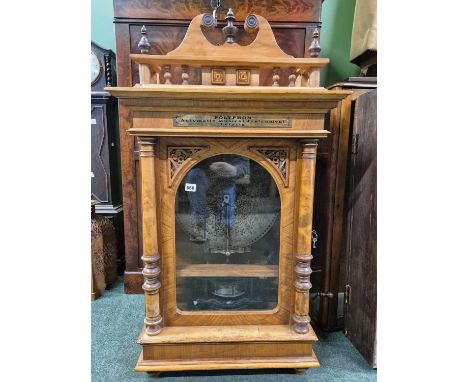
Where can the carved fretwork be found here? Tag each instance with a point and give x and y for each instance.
(278, 157)
(177, 156)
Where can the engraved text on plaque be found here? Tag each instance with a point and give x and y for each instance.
(221, 120)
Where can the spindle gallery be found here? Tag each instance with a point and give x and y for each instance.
(227, 173)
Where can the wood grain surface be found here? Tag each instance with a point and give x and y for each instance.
(361, 310)
(233, 333)
(228, 270)
(275, 10)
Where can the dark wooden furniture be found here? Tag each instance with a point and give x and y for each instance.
(360, 314)
(105, 166)
(350, 270)
(293, 23)
(332, 212)
(226, 273)
(103, 252)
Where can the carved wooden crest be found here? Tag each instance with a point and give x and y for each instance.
(229, 63)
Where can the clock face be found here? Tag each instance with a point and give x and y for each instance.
(95, 68)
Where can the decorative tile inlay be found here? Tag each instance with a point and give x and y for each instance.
(243, 77)
(278, 157)
(218, 76)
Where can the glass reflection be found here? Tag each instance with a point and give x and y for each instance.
(227, 236)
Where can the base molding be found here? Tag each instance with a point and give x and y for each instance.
(226, 364)
(229, 347)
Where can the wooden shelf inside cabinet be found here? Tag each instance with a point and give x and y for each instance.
(228, 270)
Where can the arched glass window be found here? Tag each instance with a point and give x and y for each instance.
(227, 236)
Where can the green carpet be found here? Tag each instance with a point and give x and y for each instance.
(117, 320)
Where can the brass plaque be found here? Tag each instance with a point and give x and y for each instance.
(243, 77)
(223, 120)
(218, 76)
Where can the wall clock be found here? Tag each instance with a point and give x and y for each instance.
(105, 175)
(96, 68)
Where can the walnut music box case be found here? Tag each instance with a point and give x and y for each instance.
(227, 184)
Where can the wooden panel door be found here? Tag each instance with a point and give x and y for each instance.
(330, 206)
(361, 301)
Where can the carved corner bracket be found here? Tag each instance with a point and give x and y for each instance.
(178, 155)
(278, 157)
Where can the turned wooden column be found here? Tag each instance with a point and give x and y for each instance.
(303, 255)
(151, 255)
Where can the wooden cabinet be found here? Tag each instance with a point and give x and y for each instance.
(350, 274)
(293, 23)
(226, 190)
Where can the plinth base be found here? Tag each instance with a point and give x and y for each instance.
(227, 347)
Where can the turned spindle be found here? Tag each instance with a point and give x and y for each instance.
(108, 69)
(167, 75)
(185, 75)
(292, 77)
(276, 76)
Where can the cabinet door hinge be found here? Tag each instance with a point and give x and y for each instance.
(355, 144)
(347, 295)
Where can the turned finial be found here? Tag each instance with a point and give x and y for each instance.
(314, 48)
(230, 30)
(144, 44)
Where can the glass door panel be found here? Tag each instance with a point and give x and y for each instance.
(227, 236)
